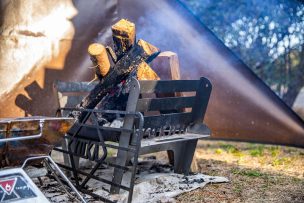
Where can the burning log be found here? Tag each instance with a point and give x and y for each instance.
(124, 36)
(129, 58)
(141, 52)
(100, 59)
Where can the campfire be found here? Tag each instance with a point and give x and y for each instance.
(130, 59)
(128, 109)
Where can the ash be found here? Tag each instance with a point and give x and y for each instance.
(155, 182)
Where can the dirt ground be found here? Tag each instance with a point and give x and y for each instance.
(257, 173)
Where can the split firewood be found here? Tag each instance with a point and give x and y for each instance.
(167, 65)
(141, 52)
(146, 73)
(100, 59)
(124, 36)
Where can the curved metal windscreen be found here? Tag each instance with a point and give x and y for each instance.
(242, 107)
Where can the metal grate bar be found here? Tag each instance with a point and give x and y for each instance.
(105, 162)
(95, 177)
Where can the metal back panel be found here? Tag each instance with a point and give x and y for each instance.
(70, 94)
(163, 104)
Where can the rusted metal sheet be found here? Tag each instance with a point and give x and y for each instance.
(242, 107)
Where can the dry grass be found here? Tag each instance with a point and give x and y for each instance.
(258, 173)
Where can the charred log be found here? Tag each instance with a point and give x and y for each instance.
(141, 52)
(124, 36)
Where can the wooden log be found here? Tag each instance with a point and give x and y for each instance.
(124, 35)
(124, 38)
(145, 72)
(166, 65)
(142, 51)
(100, 59)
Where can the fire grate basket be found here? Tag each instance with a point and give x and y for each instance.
(106, 151)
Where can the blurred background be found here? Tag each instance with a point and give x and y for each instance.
(267, 35)
(251, 51)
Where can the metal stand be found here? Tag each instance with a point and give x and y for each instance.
(48, 161)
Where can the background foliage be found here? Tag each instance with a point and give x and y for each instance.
(268, 35)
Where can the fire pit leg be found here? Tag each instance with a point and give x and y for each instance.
(183, 155)
(125, 138)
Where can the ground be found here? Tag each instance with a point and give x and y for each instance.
(257, 173)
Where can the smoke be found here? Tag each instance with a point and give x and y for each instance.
(241, 105)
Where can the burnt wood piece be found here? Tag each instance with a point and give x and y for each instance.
(99, 57)
(111, 53)
(141, 52)
(124, 36)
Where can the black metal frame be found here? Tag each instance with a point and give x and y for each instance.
(80, 146)
(173, 130)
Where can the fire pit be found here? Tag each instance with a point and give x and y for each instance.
(152, 114)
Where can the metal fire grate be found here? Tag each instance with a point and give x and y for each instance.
(90, 140)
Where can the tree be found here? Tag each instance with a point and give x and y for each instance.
(267, 35)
